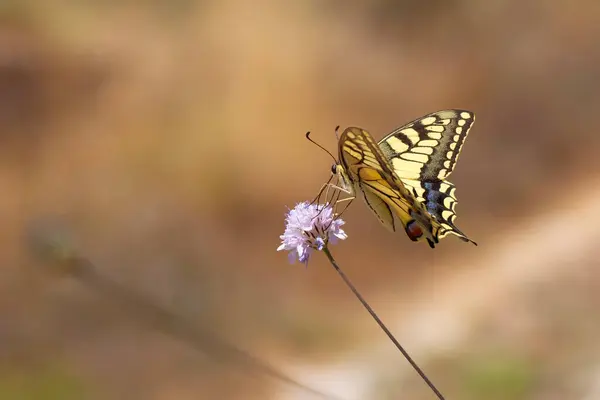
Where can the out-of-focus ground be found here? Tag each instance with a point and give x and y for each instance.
(169, 138)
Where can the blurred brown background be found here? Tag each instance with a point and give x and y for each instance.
(167, 139)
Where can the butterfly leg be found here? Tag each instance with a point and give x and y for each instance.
(323, 187)
(348, 200)
(335, 199)
(340, 188)
(327, 186)
(316, 199)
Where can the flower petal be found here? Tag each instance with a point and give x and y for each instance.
(310, 226)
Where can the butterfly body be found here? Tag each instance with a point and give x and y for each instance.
(403, 176)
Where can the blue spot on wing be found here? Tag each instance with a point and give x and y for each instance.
(434, 198)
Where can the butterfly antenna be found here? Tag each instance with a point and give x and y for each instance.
(319, 146)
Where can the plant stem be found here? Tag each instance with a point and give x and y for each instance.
(381, 324)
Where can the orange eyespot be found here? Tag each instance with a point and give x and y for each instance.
(413, 230)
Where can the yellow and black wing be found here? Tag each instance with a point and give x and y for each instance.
(423, 153)
(365, 167)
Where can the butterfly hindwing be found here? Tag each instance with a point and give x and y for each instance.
(440, 200)
(382, 211)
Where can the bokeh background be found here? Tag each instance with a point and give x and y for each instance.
(166, 140)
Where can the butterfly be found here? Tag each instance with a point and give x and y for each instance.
(402, 178)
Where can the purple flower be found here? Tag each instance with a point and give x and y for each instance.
(308, 227)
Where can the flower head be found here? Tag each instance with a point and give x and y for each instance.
(307, 227)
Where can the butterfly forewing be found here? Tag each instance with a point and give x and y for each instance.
(428, 148)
